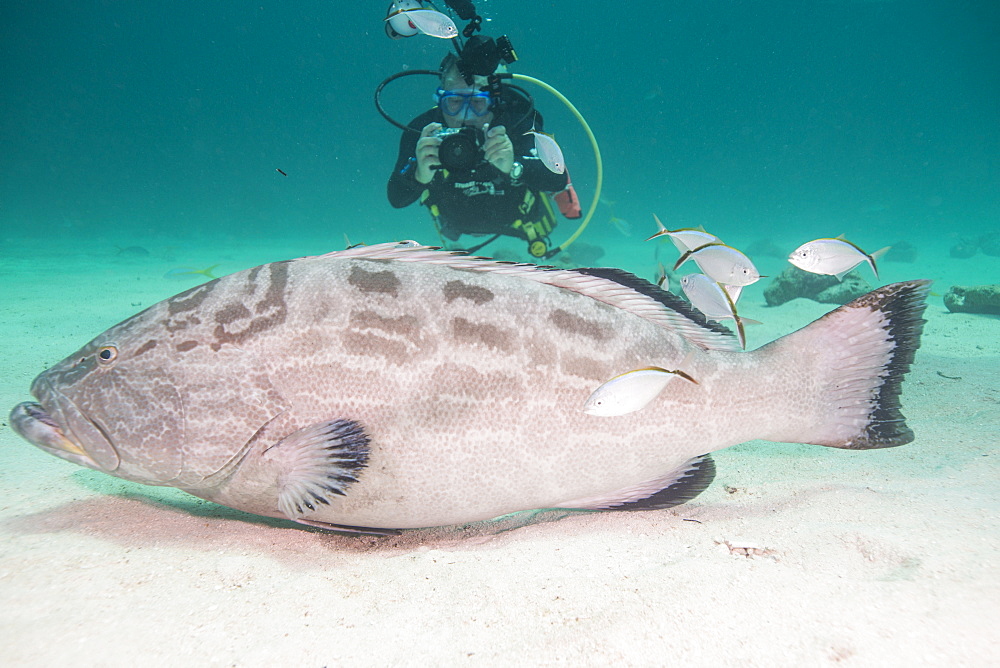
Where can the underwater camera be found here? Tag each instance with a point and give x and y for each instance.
(461, 148)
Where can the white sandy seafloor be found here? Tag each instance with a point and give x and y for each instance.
(796, 555)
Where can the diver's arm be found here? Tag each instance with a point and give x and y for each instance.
(403, 188)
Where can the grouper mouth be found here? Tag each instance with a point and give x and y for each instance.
(34, 425)
(55, 425)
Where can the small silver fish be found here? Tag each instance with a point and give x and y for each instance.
(723, 264)
(432, 23)
(132, 251)
(715, 301)
(631, 391)
(621, 225)
(183, 273)
(833, 257)
(549, 152)
(707, 296)
(685, 238)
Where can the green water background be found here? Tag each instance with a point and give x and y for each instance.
(163, 125)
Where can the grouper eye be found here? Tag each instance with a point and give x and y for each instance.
(107, 355)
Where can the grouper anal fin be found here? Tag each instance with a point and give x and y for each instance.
(679, 486)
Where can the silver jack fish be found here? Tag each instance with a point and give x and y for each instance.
(399, 386)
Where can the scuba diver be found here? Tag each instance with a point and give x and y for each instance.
(472, 160)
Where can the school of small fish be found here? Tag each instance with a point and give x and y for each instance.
(726, 270)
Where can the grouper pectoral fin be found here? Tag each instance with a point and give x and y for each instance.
(677, 487)
(316, 462)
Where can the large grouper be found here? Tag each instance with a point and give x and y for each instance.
(400, 386)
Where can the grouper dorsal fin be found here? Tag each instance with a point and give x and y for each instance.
(614, 287)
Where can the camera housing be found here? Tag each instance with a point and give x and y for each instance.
(461, 148)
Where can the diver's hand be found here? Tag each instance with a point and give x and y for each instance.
(498, 149)
(427, 153)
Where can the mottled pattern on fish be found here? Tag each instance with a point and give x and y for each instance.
(446, 389)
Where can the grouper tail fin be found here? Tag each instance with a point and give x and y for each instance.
(847, 369)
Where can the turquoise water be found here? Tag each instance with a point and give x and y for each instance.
(164, 123)
(142, 141)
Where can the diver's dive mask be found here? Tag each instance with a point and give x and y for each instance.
(455, 102)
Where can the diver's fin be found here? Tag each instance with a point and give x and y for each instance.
(354, 531)
(316, 462)
(677, 487)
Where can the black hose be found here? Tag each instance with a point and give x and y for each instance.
(387, 81)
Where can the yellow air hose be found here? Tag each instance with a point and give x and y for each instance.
(597, 159)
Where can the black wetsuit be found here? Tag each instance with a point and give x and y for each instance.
(482, 200)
